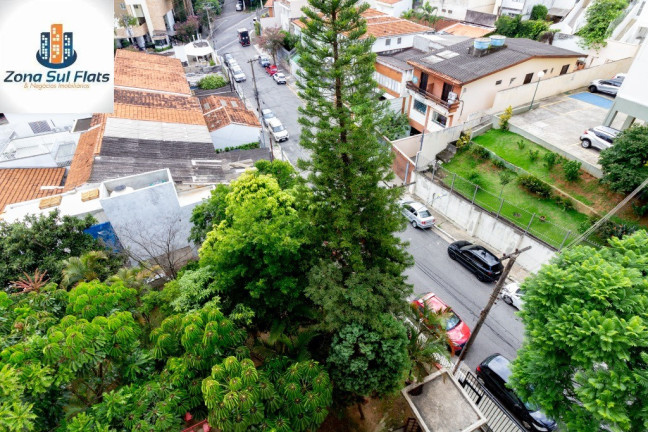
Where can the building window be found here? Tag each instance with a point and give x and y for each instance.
(528, 77)
(564, 69)
(122, 6)
(443, 10)
(545, 71)
(398, 41)
(511, 82)
(498, 82)
(420, 106)
(388, 41)
(449, 11)
(439, 119)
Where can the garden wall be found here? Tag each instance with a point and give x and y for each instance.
(480, 224)
(516, 96)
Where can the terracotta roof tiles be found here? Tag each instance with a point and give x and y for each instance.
(24, 184)
(461, 29)
(221, 111)
(89, 145)
(150, 72)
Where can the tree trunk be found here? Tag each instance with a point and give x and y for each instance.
(362, 416)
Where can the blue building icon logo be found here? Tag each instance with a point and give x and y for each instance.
(56, 48)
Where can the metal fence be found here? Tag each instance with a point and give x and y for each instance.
(529, 223)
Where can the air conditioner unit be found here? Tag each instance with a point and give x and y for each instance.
(452, 96)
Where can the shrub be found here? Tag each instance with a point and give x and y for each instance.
(212, 62)
(639, 209)
(157, 49)
(564, 203)
(248, 146)
(464, 139)
(257, 28)
(521, 144)
(212, 82)
(475, 177)
(536, 186)
(539, 12)
(534, 155)
(572, 170)
(481, 152)
(505, 117)
(499, 163)
(550, 160)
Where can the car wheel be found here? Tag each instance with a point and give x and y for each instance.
(592, 89)
(482, 278)
(508, 300)
(452, 255)
(414, 224)
(586, 143)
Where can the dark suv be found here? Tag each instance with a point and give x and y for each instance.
(494, 372)
(479, 260)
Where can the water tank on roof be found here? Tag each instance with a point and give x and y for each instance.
(121, 190)
(497, 40)
(481, 43)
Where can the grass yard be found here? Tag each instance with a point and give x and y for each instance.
(587, 190)
(520, 205)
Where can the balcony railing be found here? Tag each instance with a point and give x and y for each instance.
(446, 104)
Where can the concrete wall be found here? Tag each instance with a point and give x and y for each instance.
(234, 135)
(482, 225)
(45, 160)
(456, 9)
(481, 95)
(613, 51)
(395, 10)
(380, 45)
(550, 86)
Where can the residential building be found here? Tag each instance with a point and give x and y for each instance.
(229, 122)
(474, 25)
(23, 184)
(632, 98)
(556, 9)
(451, 84)
(40, 141)
(287, 11)
(394, 8)
(457, 9)
(155, 21)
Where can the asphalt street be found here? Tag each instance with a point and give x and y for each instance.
(281, 99)
(435, 272)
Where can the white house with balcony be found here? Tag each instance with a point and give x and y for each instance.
(155, 21)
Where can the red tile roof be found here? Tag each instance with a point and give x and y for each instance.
(472, 31)
(221, 111)
(89, 145)
(150, 72)
(24, 184)
(380, 24)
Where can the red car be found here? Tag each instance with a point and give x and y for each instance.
(457, 330)
(271, 70)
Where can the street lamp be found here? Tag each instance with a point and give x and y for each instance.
(540, 75)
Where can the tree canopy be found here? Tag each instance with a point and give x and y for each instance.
(539, 12)
(599, 16)
(584, 357)
(515, 27)
(624, 164)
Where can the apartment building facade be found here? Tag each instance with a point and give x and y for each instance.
(155, 21)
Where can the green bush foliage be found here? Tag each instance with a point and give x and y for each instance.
(550, 160)
(480, 152)
(211, 82)
(572, 170)
(248, 146)
(536, 186)
(515, 27)
(539, 12)
(521, 144)
(534, 155)
(625, 164)
(599, 16)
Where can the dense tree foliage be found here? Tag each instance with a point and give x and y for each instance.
(208, 214)
(259, 252)
(43, 242)
(599, 16)
(516, 27)
(624, 164)
(539, 12)
(584, 358)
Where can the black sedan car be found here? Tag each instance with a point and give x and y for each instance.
(494, 373)
(479, 260)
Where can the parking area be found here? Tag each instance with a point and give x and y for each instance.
(560, 121)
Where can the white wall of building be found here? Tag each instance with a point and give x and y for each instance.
(393, 43)
(234, 135)
(613, 51)
(395, 10)
(456, 9)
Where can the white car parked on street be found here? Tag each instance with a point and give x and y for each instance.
(418, 214)
(512, 295)
(279, 133)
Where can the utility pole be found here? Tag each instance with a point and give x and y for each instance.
(256, 96)
(207, 8)
(491, 301)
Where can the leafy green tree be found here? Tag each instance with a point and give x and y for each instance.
(282, 171)
(599, 16)
(92, 299)
(259, 253)
(208, 214)
(42, 242)
(515, 27)
(242, 398)
(367, 361)
(539, 12)
(427, 14)
(352, 217)
(625, 163)
(584, 357)
(194, 289)
(187, 29)
(15, 414)
(271, 40)
(427, 340)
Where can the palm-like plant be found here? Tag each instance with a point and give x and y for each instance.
(29, 283)
(85, 268)
(427, 14)
(281, 343)
(428, 340)
(134, 277)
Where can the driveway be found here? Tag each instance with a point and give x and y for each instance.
(281, 99)
(560, 121)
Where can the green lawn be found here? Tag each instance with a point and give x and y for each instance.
(520, 205)
(587, 190)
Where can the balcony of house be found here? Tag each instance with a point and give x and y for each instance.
(448, 103)
(137, 30)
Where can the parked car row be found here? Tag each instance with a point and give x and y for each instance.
(237, 73)
(277, 130)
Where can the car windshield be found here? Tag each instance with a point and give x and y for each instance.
(268, 115)
(424, 213)
(277, 128)
(531, 406)
(452, 322)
